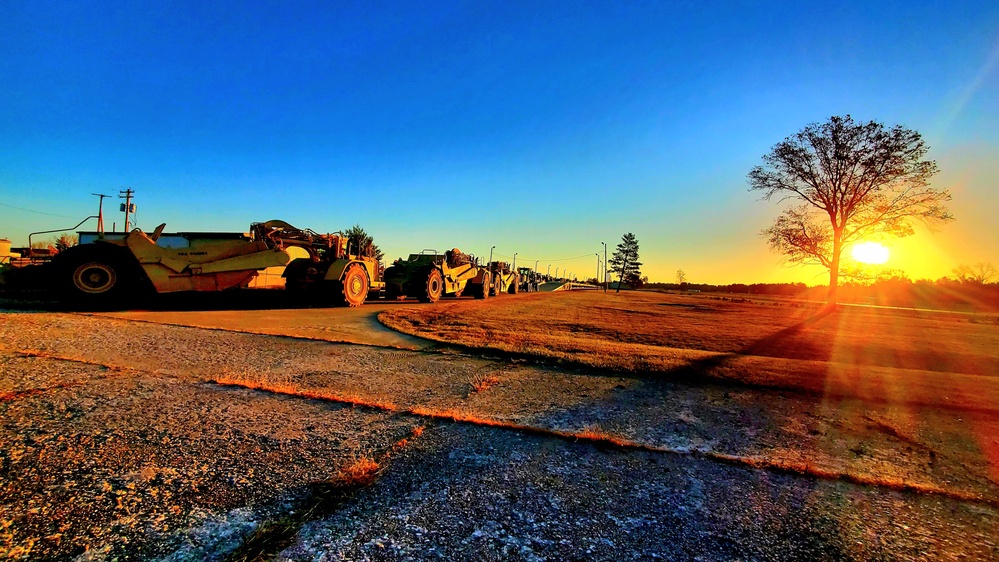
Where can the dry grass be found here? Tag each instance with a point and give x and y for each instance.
(362, 472)
(814, 471)
(933, 359)
(246, 380)
(62, 357)
(481, 383)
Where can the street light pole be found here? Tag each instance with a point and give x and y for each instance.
(491, 255)
(597, 277)
(549, 270)
(515, 261)
(536, 266)
(605, 266)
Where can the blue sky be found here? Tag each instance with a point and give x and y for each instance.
(540, 128)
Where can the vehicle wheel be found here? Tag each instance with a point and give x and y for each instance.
(95, 281)
(296, 287)
(354, 287)
(482, 291)
(515, 287)
(434, 287)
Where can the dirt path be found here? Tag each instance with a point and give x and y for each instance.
(116, 442)
(351, 325)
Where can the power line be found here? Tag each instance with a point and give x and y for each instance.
(36, 212)
(527, 259)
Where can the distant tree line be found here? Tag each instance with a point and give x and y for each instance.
(781, 289)
(974, 291)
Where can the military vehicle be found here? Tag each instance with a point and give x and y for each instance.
(505, 280)
(530, 281)
(108, 269)
(430, 275)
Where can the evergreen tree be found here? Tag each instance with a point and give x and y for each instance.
(359, 242)
(625, 260)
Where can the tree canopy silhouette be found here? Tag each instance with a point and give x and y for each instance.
(849, 182)
(625, 260)
(361, 243)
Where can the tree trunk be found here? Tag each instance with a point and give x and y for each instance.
(620, 278)
(834, 268)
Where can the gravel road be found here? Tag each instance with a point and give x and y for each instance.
(115, 444)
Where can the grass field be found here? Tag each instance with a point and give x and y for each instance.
(891, 383)
(895, 356)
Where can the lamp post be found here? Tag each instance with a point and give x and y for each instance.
(556, 272)
(515, 261)
(605, 266)
(536, 266)
(598, 266)
(491, 254)
(549, 270)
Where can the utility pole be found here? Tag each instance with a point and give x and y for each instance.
(126, 194)
(100, 212)
(515, 261)
(491, 254)
(605, 266)
(598, 266)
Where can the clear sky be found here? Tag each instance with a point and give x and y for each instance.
(542, 128)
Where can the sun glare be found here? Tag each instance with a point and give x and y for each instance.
(870, 252)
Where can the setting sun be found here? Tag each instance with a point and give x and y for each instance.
(870, 252)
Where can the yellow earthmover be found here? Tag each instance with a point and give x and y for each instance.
(430, 275)
(107, 269)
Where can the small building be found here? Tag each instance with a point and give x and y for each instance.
(6, 255)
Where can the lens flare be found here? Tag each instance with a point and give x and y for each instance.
(870, 252)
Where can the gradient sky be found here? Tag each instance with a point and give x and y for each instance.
(542, 128)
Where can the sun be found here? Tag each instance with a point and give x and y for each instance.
(870, 252)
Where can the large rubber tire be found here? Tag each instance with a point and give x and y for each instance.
(95, 279)
(434, 287)
(353, 287)
(482, 291)
(515, 286)
(296, 287)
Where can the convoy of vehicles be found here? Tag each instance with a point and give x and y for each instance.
(113, 269)
(108, 269)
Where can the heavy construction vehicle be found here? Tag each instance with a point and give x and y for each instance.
(505, 280)
(530, 281)
(430, 275)
(106, 269)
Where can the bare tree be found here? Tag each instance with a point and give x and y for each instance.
(849, 181)
(64, 241)
(981, 273)
(681, 277)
